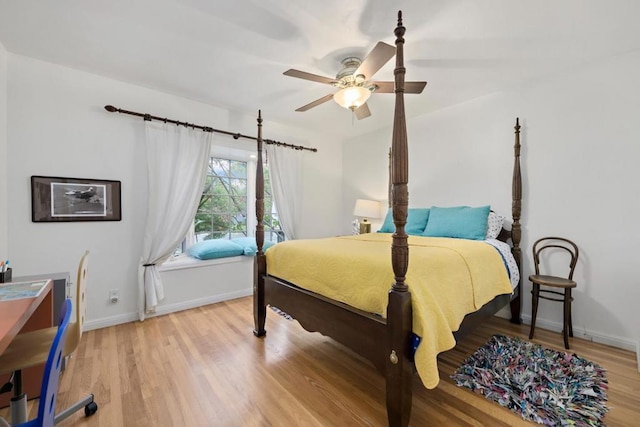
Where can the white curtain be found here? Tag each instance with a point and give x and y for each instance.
(285, 169)
(177, 160)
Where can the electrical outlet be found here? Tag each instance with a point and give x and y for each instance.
(114, 295)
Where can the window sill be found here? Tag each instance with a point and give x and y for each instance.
(183, 261)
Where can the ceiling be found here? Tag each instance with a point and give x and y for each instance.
(233, 53)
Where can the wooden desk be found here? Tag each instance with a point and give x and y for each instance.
(24, 315)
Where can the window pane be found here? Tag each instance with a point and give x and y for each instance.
(238, 186)
(238, 205)
(228, 206)
(208, 184)
(219, 167)
(220, 185)
(221, 204)
(238, 169)
(205, 203)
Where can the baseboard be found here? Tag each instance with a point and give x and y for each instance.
(172, 308)
(613, 341)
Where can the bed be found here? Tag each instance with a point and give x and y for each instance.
(383, 335)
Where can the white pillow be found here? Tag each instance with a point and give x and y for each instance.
(494, 225)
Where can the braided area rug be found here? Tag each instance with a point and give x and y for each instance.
(542, 385)
(280, 312)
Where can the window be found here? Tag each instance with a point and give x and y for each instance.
(222, 211)
(227, 206)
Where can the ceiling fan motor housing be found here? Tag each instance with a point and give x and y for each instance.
(349, 66)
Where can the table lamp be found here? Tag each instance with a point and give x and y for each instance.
(366, 209)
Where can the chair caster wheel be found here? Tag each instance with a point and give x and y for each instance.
(90, 409)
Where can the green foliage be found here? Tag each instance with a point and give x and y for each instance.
(222, 211)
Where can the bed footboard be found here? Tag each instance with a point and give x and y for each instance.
(343, 323)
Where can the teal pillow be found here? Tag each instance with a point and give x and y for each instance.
(388, 226)
(462, 222)
(249, 245)
(416, 222)
(215, 248)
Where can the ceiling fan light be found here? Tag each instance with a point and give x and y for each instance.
(352, 97)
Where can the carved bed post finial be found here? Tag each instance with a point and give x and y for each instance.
(259, 189)
(400, 168)
(390, 183)
(516, 229)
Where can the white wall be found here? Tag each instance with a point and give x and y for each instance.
(4, 250)
(57, 126)
(580, 151)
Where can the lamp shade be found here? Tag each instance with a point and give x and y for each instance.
(352, 97)
(367, 208)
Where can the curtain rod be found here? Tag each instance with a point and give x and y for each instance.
(149, 117)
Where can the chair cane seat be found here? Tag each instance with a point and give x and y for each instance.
(556, 282)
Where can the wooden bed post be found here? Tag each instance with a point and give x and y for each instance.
(260, 262)
(399, 368)
(390, 183)
(516, 231)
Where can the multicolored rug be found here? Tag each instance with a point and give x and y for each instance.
(280, 312)
(542, 385)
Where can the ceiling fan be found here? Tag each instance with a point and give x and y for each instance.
(354, 81)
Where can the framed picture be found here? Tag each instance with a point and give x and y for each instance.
(55, 199)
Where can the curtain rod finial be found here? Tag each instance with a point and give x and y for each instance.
(110, 108)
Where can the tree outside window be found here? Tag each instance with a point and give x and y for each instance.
(222, 211)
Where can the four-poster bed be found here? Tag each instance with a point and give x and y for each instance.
(384, 340)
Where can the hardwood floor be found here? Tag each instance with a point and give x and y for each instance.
(204, 367)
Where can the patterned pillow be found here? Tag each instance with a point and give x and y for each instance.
(494, 225)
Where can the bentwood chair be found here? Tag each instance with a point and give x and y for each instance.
(31, 349)
(49, 389)
(560, 285)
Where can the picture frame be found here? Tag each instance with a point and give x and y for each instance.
(58, 199)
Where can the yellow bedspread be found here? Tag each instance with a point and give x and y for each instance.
(447, 278)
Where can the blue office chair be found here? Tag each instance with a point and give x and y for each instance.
(49, 390)
(32, 349)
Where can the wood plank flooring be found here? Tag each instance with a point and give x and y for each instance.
(204, 367)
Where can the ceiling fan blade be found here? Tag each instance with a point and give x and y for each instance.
(409, 87)
(316, 103)
(380, 55)
(414, 87)
(362, 112)
(309, 76)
